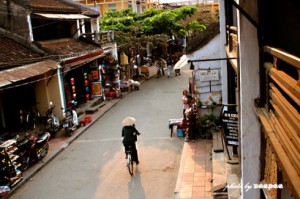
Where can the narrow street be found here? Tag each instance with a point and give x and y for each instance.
(94, 165)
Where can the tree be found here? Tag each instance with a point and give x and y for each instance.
(154, 26)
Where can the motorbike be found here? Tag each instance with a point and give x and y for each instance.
(28, 118)
(52, 122)
(32, 149)
(70, 123)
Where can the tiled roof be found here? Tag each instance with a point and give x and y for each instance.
(13, 53)
(47, 6)
(57, 6)
(85, 9)
(68, 47)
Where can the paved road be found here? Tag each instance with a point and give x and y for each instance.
(94, 166)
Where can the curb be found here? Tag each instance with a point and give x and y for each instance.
(180, 172)
(58, 151)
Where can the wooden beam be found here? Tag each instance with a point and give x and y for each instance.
(285, 82)
(286, 143)
(286, 113)
(284, 162)
(284, 56)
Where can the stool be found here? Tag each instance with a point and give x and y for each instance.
(82, 123)
(87, 119)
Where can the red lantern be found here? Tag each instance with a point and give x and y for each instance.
(86, 82)
(87, 97)
(72, 81)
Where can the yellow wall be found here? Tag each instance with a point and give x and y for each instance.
(48, 93)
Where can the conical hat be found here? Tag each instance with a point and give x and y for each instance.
(128, 121)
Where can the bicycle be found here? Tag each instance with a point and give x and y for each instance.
(129, 160)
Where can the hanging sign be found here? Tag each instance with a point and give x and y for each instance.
(209, 75)
(230, 125)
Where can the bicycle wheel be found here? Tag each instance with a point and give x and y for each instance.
(130, 164)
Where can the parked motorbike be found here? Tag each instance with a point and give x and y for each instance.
(28, 118)
(52, 122)
(32, 149)
(70, 123)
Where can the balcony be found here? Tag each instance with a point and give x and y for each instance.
(103, 38)
(280, 121)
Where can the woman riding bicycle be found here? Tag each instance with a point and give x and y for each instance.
(129, 134)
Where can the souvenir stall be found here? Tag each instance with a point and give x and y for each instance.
(110, 77)
(126, 73)
(83, 83)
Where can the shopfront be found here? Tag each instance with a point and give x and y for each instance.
(83, 80)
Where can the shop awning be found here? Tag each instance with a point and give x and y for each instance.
(13, 75)
(62, 16)
(82, 60)
(183, 61)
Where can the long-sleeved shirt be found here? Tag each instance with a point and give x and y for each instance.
(128, 134)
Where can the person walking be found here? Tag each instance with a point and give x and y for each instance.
(170, 67)
(129, 134)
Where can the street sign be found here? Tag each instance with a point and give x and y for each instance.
(209, 75)
(230, 125)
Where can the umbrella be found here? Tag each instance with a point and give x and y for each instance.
(128, 121)
(182, 62)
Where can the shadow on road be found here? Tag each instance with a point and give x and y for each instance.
(135, 188)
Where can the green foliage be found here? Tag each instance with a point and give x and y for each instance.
(152, 21)
(154, 26)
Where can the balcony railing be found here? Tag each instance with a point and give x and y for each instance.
(102, 38)
(232, 45)
(280, 120)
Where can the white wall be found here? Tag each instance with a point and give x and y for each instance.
(213, 50)
(249, 90)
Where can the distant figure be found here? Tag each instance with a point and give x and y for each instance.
(185, 102)
(170, 67)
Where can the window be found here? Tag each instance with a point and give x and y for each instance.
(112, 6)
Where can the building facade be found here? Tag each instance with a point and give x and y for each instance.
(257, 55)
(64, 48)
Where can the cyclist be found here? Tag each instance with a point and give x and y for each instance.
(129, 134)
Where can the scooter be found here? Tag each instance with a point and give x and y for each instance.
(70, 123)
(32, 149)
(52, 124)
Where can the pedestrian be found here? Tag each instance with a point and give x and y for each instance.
(185, 101)
(162, 66)
(129, 134)
(170, 67)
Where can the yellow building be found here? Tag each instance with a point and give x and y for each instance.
(138, 6)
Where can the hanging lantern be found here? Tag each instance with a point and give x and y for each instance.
(86, 82)
(192, 66)
(87, 97)
(72, 81)
(73, 89)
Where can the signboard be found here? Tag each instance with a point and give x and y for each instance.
(209, 75)
(230, 125)
(96, 89)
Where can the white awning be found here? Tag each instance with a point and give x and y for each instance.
(183, 61)
(62, 16)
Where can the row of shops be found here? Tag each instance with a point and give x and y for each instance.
(81, 80)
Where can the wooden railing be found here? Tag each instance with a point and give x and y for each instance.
(280, 119)
(103, 37)
(232, 45)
